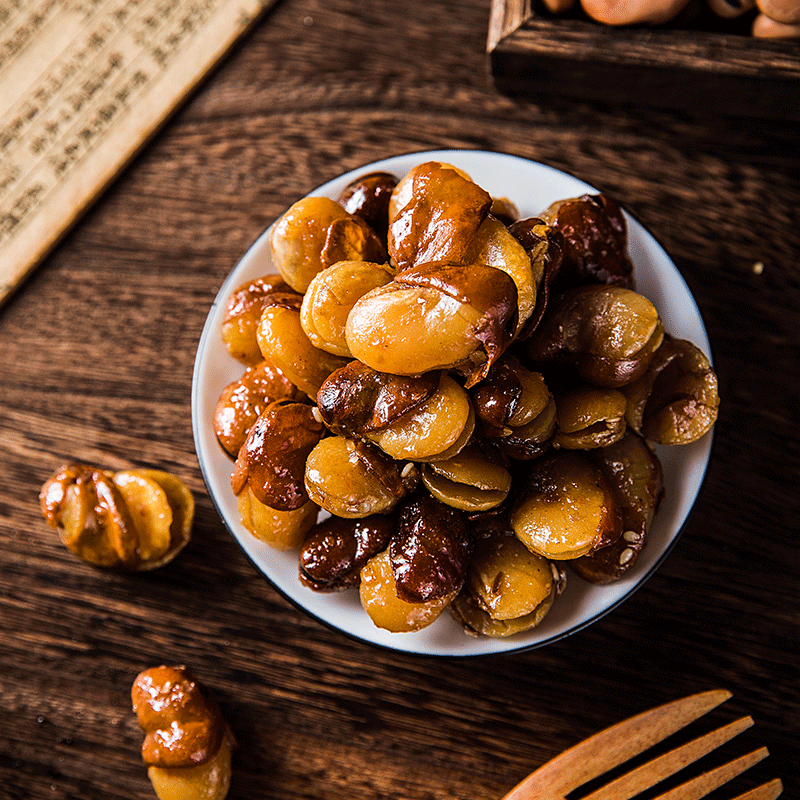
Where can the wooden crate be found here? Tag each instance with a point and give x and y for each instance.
(690, 67)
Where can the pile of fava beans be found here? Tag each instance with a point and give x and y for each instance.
(472, 397)
(766, 19)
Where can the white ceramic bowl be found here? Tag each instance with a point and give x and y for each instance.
(532, 187)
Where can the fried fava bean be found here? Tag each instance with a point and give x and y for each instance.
(566, 508)
(242, 312)
(137, 519)
(595, 241)
(368, 197)
(336, 549)
(331, 296)
(271, 462)
(315, 233)
(589, 417)
(141, 489)
(634, 474)
(356, 399)
(187, 746)
(677, 400)
(468, 612)
(430, 550)
(472, 480)
(378, 594)
(607, 334)
(401, 196)
(516, 409)
(244, 399)
(338, 480)
(284, 343)
(435, 429)
(283, 530)
(494, 246)
(435, 316)
(508, 588)
(440, 218)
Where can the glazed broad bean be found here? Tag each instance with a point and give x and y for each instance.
(272, 460)
(315, 233)
(283, 342)
(438, 315)
(515, 409)
(244, 399)
(508, 589)
(135, 519)
(187, 746)
(607, 334)
(566, 508)
(331, 296)
(337, 480)
(472, 480)
(369, 197)
(336, 549)
(676, 401)
(589, 417)
(440, 219)
(242, 313)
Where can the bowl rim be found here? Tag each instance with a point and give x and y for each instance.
(231, 282)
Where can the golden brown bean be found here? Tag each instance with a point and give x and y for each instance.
(378, 594)
(283, 530)
(272, 460)
(356, 399)
(634, 474)
(242, 312)
(594, 240)
(336, 549)
(431, 429)
(508, 589)
(589, 417)
(507, 579)
(244, 399)
(331, 296)
(472, 480)
(494, 246)
(765, 27)
(440, 218)
(337, 480)
(368, 197)
(436, 316)
(315, 233)
(137, 519)
(677, 400)
(284, 343)
(402, 192)
(430, 549)
(566, 509)
(607, 334)
(611, 12)
(516, 409)
(187, 746)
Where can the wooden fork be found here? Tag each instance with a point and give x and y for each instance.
(615, 745)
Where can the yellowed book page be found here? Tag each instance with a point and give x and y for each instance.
(83, 85)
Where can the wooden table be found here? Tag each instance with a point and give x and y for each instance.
(96, 359)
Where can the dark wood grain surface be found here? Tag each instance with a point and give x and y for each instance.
(96, 359)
